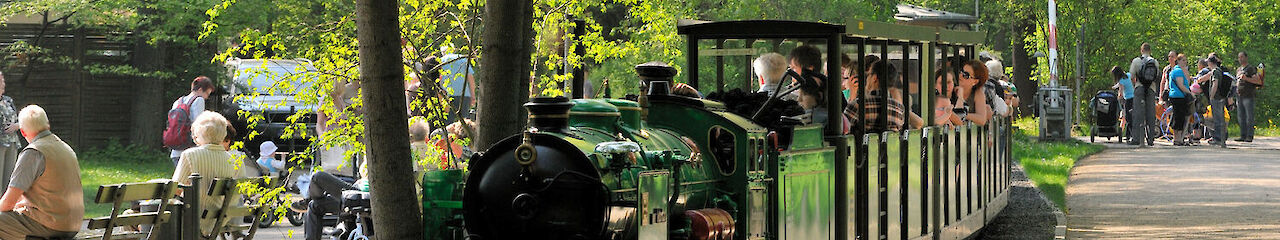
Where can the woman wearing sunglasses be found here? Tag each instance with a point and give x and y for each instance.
(968, 105)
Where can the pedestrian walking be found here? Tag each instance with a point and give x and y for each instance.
(1147, 72)
(1125, 84)
(9, 144)
(177, 134)
(1247, 90)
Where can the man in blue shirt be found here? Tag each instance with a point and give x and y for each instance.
(448, 76)
(458, 77)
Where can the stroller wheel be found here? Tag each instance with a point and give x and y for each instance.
(1092, 132)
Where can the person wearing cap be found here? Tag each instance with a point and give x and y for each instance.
(267, 161)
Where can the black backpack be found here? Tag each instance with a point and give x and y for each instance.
(1223, 82)
(1149, 72)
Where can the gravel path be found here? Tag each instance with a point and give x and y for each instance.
(1028, 215)
(1199, 192)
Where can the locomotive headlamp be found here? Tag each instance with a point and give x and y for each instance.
(525, 153)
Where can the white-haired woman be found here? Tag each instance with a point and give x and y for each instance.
(9, 144)
(209, 158)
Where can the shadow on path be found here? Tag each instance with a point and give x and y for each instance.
(1197, 192)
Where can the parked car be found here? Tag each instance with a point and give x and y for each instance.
(261, 88)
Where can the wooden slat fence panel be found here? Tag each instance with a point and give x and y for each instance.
(86, 110)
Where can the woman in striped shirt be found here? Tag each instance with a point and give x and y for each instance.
(209, 159)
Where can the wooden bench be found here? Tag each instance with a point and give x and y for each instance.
(124, 194)
(226, 191)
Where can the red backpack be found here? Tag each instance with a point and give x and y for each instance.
(177, 133)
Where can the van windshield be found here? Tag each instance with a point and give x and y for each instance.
(263, 78)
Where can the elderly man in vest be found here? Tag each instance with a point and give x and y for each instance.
(44, 198)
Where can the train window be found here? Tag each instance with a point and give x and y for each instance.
(727, 64)
(722, 145)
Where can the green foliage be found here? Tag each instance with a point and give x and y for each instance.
(1048, 164)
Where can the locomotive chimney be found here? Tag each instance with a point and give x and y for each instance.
(651, 73)
(549, 114)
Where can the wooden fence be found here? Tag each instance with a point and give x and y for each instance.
(86, 110)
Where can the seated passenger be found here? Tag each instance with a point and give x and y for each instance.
(854, 78)
(972, 104)
(418, 130)
(769, 69)
(994, 90)
(944, 96)
(875, 101)
(209, 159)
(808, 60)
(450, 145)
(849, 79)
(44, 198)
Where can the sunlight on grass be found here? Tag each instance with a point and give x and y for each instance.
(118, 164)
(1048, 164)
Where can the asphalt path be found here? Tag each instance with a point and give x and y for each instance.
(1167, 192)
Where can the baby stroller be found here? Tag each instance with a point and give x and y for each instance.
(1106, 116)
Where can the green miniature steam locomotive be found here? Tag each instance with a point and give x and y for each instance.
(673, 167)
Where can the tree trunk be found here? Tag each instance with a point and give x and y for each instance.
(382, 76)
(148, 104)
(504, 70)
(1022, 64)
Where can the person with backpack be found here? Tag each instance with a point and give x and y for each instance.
(1219, 82)
(177, 133)
(1147, 71)
(1247, 90)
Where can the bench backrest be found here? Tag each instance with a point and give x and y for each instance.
(119, 194)
(226, 191)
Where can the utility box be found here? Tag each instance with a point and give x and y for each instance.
(1055, 106)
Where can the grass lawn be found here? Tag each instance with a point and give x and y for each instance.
(119, 164)
(1261, 129)
(1048, 164)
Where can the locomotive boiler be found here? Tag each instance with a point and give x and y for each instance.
(615, 169)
